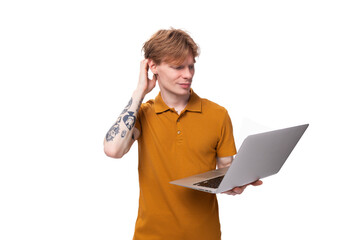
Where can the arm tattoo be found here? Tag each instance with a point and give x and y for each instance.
(129, 120)
(127, 106)
(137, 110)
(114, 130)
(123, 133)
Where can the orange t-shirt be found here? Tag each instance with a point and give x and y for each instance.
(173, 146)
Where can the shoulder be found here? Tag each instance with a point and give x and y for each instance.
(147, 106)
(212, 107)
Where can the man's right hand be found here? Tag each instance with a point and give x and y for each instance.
(145, 85)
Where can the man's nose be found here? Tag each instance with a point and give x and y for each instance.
(187, 73)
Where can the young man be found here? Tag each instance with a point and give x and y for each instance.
(179, 134)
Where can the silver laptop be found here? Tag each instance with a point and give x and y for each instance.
(260, 155)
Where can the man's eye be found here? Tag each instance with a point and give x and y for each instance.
(179, 67)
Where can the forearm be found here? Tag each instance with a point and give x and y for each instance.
(122, 134)
(223, 162)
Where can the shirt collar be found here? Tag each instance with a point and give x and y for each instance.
(194, 104)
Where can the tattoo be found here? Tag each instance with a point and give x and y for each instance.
(118, 121)
(127, 107)
(129, 120)
(137, 110)
(123, 133)
(114, 130)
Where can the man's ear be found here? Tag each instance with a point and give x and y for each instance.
(153, 67)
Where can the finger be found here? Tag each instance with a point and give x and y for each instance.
(147, 64)
(144, 64)
(230, 192)
(238, 190)
(257, 183)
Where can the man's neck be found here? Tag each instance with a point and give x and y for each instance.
(175, 101)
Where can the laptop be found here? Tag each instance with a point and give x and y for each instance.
(260, 155)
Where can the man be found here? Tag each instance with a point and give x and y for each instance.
(179, 134)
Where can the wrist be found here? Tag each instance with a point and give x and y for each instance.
(139, 93)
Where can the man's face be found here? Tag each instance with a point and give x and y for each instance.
(176, 79)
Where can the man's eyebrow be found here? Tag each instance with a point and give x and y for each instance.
(181, 64)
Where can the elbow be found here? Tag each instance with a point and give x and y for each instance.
(113, 153)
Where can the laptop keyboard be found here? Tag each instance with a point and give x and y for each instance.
(211, 183)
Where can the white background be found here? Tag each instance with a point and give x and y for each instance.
(68, 68)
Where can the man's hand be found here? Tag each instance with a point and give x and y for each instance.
(239, 190)
(145, 85)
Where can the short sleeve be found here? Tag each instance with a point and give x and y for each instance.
(226, 144)
(138, 118)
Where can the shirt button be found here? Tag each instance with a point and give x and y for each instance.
(178, 132)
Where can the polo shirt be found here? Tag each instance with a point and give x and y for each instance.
(173, 146)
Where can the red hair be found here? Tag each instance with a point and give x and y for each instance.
(171, 46)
